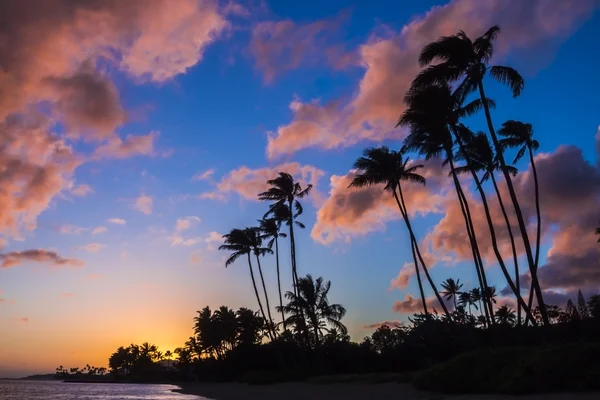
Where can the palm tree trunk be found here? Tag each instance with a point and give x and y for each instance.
(539, 224)
(495, 246)
(464, 207)
(262, 311)
(293, 247)
(418, 272)
(404, 213)
(262, 279)
(401, 204)
(511, 190)
(279, 282)
(512, 244)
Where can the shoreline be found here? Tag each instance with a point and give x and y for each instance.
(345, 391)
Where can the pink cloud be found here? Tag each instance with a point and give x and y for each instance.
(351, 212)
(71, 229)
(279, 46)
(185, 223)
(25, 320)
(15, 258)
(99, 229)
(67, 295)
(131, 146)
(248, 183)
(117, 221)
(204, 175)
(91, 247)
(143, 204)
(413, 305)
(195, 257)
(390, 63)
(94, 277)
(400, 282)
(81, 190)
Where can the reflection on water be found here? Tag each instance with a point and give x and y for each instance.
(51, 390)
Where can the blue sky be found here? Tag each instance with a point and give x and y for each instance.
(144, 280)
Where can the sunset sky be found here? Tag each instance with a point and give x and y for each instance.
(135, 133)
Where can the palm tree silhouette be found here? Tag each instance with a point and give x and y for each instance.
(431, 113)
(238, 243)
(388, 167)
(285, 192)
(505, 315)
(520, 135)
(313, 305)
(270, 230)
(470, 145)
(256, 244)
(598, 232)
(459, 57)
(467, 299)
(451, 289)
(483, 159)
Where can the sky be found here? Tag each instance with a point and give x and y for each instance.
(135, 134)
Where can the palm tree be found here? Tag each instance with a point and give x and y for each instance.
(226, 323)
(390, 168)
(475, 295)
(482, 157)
(598, 233)
(451, 289)
(505, 315)
(238, 243)
(520, 135)
(430, 114)
(457, 57)
(470, 147)
(270, 230)
(312, 303)
(256, 244)
(168, 357)
(285, 192)
(467, 299)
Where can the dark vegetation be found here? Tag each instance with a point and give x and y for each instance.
(474, 345)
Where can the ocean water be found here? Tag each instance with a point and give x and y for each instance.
(53, 390)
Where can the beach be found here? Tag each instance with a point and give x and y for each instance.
(345, 391)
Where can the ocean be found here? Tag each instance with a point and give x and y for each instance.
(56, 390)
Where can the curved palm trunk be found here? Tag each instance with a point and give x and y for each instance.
(512, 243)
(293, 249)
(513, 196)
(279, 282)
(262, 311)
(464, 206)
(404, 213)
(539, 227)
(262, 279)
(418, 272)
(402, 206)
(510, 282)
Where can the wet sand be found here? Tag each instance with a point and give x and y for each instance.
(344, 391)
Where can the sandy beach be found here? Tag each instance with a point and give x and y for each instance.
(304, 391)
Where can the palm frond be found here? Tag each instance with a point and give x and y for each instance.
(508, 76)
(444, 49)
(520, 154)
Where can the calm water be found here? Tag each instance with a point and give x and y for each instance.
(52, 390)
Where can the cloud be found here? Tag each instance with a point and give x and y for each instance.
(279, 46)
(181, 241)
(71, 229)
(352, 212)
(131, 146)
(390, 63)
(67, 295)
(143, 204)
(93, 277)
(204, 175)
(53, 57)
(391, 324)
(212, 239)
(248, 183)
(91, 247)
(185, 223)
(400, 282)
(117, 221)
(99, 229)
(81, 190)
(25, 320)
(195, 257)
(15, 258)
(414, 305)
